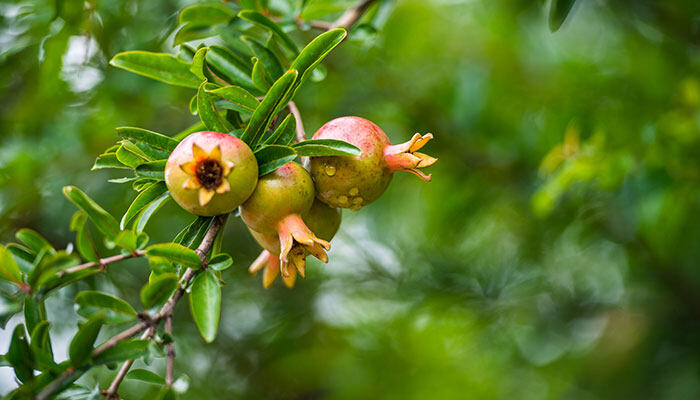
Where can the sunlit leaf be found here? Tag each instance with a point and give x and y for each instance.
(271, 157)
(240, 99)
(266, 23)
(9, 271)
(176, 253)
(159, 66)
(101, 218)
(211, 117)
(142, 201)
(149, 137)
(325, 147)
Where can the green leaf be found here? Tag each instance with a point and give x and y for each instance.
(32, 313)
(143, 200)
(108, 160)
(148, 211)
(82, 344)
(220, 262)
(40, 346)
(558, 11)
(234, 70)
(241, 99)
(271, 105)
(101, 218)
(266, 23)
(326, 147)
(152, 170)
(130, 159)
(191, 235)
(176, 253)
(9, 271)
(115, 310)
(273, 156)
(211, 117)
(33, 240)
(83, 241)
(159, 66)
(206, 14)
(205, 304)
(126, 240)
(158, 289)
(273, 66)
(23, 257)
(285, 132)
(260, 76)
(145, 376)
(126, 350)
(316, 51)
(19, 355)
(190, 32)
(198, 63)
(151, 138)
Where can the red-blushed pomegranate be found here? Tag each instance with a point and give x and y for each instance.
(321, 219)
(353, 182)
(275, 208)
(211, 173)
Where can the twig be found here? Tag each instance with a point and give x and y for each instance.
(347, 20)
(294, 110)
(103, 262)
(112, 390)
(148, 324)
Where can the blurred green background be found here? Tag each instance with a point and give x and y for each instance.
(555, 254)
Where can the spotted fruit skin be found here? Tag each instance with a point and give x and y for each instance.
(355, 181)
(241, 179)
(286, 191)
(351, 182)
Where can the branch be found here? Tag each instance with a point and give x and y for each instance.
(147, 324)
(347, 20)
(171, 352)
(102, 262)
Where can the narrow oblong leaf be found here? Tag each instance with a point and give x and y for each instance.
(9, 271)
(82, 344)
(220, 262)
(240, 99)
(260, 76)
(273, 156)
(23, 257)
(101, 218)
(108, 160)
(145, 375)
(273, 66)
(154, 139)
(285, 132)
(266, 23)
(159, 66)
(211, 117)
(271, 104)
(83, 241)
(19, 355)
(33, 240)
(32, 312)
(206, 14)
(176, 253)
(316, 51)
(234, 70)
(149, 210)
(326, 147)
(205, 304)
(115, 310)
(125, 350)
(40, 346)
(142, 201)
(188, 236)
(152, 170)
(158, 289)
(198, 63)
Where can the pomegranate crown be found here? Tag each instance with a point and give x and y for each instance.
(207, 173)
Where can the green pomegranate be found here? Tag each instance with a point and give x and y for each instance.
(276, 208)
(321, 219)
(211, 173)
(353, 182)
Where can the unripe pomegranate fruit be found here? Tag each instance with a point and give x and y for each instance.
(275, 208)
(211, 173)
(322, 220)
(353, 182)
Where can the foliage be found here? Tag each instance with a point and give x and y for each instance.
(555, 257)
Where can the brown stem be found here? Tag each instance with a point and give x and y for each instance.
(347, 20)
(147, 324)
(112, 390)
(102, 262)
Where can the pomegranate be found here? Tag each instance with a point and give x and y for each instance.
(353, 182)
(211, 173)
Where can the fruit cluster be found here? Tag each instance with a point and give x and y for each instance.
(293, 211)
